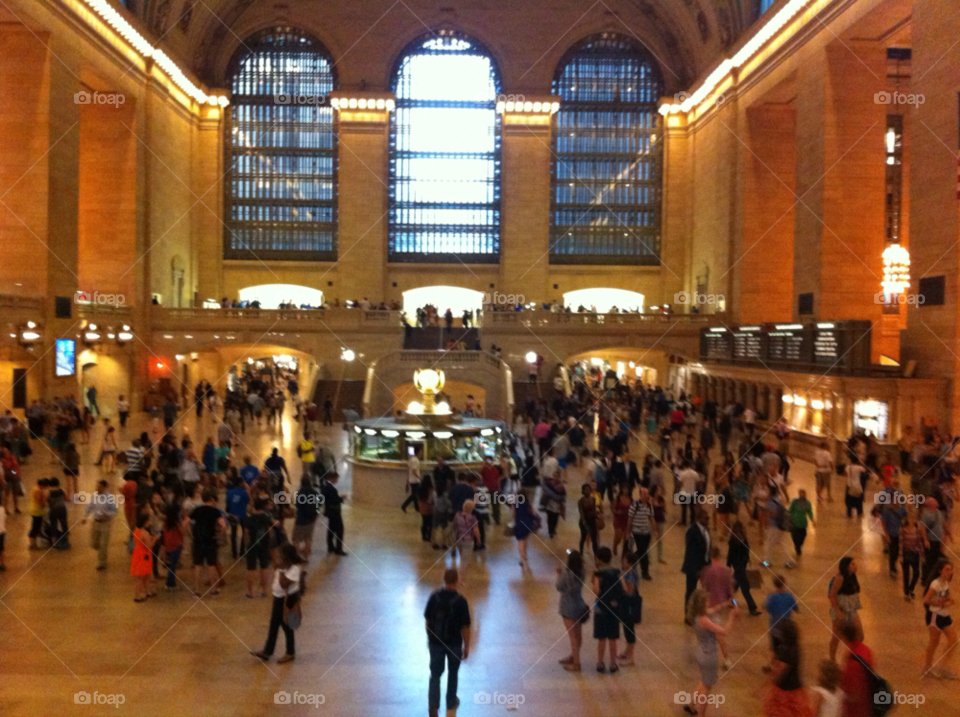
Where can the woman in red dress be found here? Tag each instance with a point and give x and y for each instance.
(141, 562)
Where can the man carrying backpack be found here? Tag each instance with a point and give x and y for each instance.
(448, 637)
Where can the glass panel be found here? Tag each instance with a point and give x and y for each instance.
(607, 166)
(445, 155)
(282, 189)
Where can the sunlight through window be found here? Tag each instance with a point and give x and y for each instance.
(445, 168)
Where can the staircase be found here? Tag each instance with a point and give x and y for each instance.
(435, 338)
(351, 395)
(524, 392)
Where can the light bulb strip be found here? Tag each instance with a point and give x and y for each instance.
(363, 103)
(121, 26)
(528, 107)
(769, 30)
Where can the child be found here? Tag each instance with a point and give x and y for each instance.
(780, 604)
(630, 607)
(3, 536)
(826, 700)
(466, 526)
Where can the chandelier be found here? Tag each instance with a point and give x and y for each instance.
(896, 269)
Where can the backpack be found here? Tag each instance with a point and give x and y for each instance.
(877, 688)
(441, 624)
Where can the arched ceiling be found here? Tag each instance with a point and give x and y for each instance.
(528, 37)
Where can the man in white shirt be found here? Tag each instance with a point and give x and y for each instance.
(749, 422)
(413, 480)
(823, 459)
(686, 493)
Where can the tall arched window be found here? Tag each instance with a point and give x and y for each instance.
(282, 193)
(607, 162)
(445, 154)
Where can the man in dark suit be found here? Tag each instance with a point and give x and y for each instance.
(625, 472)
(696, 554)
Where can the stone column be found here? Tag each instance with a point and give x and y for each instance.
(364, 141)
(525, 203)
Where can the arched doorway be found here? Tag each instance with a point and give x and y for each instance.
(455, 298)
(603, 300)
(271, 296)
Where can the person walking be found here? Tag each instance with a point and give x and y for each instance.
(912, 544)
(857, 672)
(525, 521)
(738, 558)
(786, 696)
(937, 603)
(844, 595)
(573, 609)
(306, 510)
(641, 520)
(172, 539)
(332, 505)
(447, 618)
(257, 530)
(707, 649)
(606, 612)
(801, 513)
(696, 554)
(425, 508)
(589, 517)
(208, 523)
(413, 481)
(141, 560)
(289, 581)
(102, 508)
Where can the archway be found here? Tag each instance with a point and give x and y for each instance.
(603, 299)
(455, 298)
(271, 296)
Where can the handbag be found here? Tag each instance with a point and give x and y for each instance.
(293, 616)
(755, 578)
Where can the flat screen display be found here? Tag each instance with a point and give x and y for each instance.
(66, 357)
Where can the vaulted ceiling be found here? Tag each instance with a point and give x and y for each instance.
(526, 36)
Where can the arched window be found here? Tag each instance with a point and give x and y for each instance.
(607, 162)
(445, 154)
(282, 189)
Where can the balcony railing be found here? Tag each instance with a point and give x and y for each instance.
(15, 301)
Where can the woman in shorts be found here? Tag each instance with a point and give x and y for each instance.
(937, 602)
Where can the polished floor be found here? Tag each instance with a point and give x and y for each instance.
(67, 629)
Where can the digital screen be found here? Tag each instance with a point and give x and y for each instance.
(66, 357)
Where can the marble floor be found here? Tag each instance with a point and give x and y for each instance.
(67, 629)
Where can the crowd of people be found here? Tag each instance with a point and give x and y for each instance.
(707, 467)
(567, 457)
